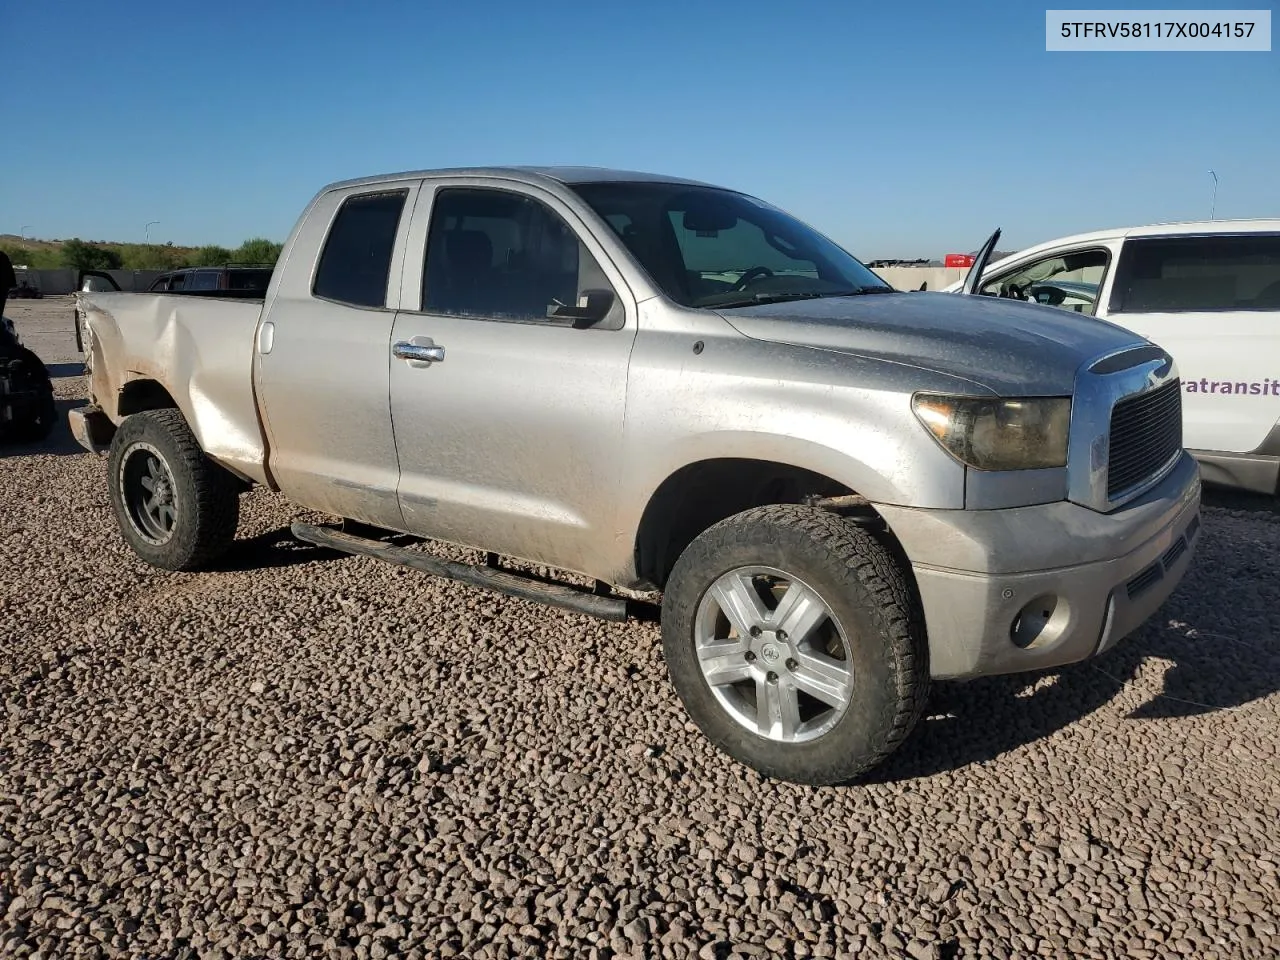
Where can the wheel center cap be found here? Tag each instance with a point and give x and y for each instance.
(770, 653)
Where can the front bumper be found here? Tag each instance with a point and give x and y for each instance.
(1034, 587)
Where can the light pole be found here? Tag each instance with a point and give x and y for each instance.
(23, 232)
(1213, 204)
(150, 224)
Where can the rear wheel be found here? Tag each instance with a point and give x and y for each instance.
(176, 508)
(795, 642)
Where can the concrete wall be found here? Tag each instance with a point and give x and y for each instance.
(910, 278)
(62, 281)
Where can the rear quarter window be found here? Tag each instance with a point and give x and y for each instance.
(1187, 274)
(355, 263)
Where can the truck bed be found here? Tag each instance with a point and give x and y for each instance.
(200, 348)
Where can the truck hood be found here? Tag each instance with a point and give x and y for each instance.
(1011, 347)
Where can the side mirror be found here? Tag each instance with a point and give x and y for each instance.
(923, 286)
(593, 306)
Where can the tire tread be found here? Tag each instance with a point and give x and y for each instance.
(216, 499)
(895, 611)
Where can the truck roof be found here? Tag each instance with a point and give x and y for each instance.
(525, 174)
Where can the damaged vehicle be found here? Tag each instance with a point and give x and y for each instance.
(838, 490)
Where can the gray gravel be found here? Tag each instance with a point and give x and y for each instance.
(307, 754)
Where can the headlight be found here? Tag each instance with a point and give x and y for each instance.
(994, 434)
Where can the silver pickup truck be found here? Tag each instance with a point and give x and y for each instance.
(840, 491)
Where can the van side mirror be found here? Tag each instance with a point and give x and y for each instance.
(592, 307)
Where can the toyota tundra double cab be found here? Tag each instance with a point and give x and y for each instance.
(839, 491)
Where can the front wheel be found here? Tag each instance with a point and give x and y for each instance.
(796, 644)
(176, 508)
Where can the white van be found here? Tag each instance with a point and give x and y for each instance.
(1209, 293)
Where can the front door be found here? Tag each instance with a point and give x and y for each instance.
(322, 355)
(508, 423)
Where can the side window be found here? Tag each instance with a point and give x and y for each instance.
(498, 255)
(203, 280)
(178, 281)
(1070, 281)
(355, 263)
(1178, 274)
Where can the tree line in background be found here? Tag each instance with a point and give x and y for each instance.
(79, 255)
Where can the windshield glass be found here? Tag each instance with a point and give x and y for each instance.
(707, 247)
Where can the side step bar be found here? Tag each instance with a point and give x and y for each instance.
(568, 596)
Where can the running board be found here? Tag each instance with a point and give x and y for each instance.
(567, 596)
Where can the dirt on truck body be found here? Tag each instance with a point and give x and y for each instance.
(841, 491)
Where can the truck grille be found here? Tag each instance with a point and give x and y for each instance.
(1146, 433)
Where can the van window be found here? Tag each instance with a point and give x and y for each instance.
(355, 264)
(1181, 274)
(1069, 280)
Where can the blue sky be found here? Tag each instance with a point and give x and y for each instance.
(898, 129)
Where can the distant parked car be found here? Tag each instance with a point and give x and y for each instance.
(25, 291)
(247, 281)
(1209, 293)
(243, 277)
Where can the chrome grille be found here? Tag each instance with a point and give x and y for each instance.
(1146, 433)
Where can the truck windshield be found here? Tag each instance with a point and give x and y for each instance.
(708, 247)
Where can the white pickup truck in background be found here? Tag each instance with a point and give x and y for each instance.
(1209, 293)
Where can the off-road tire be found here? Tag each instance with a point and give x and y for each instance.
(35, 414)
(206, 497)
(39, 424)
(867, 589)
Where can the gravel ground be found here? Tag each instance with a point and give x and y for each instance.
(309, 754)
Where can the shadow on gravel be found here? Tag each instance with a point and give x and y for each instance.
(58, 443)
(277, 548)
(1210, 671)
(1214, 647)
(57, 370)
(977, 721)
(1238, 501)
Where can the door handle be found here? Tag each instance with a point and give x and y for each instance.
(420, 352)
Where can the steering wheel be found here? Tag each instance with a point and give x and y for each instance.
(1012, 291)
(753, 274)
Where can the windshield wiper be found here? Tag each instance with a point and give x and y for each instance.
(758, 298)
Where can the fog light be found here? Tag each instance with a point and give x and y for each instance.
(1039, 622)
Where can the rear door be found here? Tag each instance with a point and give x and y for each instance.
(1214, 303)
(323, 353)
(511, 440)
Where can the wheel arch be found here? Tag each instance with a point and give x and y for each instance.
(144, 393)
(698, 495)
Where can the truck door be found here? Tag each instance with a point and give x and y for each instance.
(1213, 302)
(508, 422)
(322, 354)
